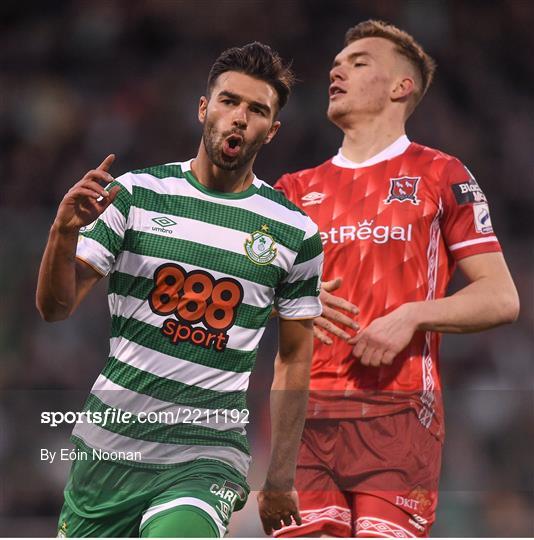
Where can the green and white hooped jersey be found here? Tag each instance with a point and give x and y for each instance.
(194, 274)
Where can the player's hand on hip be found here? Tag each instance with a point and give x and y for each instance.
(385, 337)
(278, 508)
(87, 199)
(333, 318)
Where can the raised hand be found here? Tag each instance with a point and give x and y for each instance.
(332, 315)
(278, 508)
(87, 199)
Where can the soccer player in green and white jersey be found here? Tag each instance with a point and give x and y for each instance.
(198, 253)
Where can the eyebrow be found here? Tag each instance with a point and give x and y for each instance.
(351, 57)
(237, 97)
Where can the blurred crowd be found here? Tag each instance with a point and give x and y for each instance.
(80, 79)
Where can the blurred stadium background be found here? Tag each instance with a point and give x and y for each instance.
(81, 79)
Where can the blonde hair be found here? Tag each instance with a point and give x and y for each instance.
(405, 45)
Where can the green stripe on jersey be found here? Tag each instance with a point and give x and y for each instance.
(203, 256)
(151, 337)
(238, 219)
(251, 317)
(191, 434)
(278, 197)
(105, 236)
(162, 171)
(311, 248)
(298, 289)
(122, 200)
(164, 389)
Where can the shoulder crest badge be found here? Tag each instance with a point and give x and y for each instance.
(90, 227)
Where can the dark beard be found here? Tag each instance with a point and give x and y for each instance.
(213, 145)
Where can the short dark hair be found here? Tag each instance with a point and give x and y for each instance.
(257, 60)
(405, 45)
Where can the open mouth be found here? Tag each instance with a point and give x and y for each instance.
(335, 90)
(232, 145)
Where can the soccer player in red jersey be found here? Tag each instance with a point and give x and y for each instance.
(396, 218)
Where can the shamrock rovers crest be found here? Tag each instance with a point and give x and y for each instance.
(260, 246)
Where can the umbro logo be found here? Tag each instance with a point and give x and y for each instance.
(313, 198)
(163, 223)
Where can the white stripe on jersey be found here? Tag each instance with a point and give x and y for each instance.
(305, 270)
(114, 395)
(296, 309)
(177, 369)
(95, 254)
(207, 234)
(113, 218)
(473, 242)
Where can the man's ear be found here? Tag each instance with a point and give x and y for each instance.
(272, 132)
(403, 89)
(202, 108)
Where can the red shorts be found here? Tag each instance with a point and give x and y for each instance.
(375, 477)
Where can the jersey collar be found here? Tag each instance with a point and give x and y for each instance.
(190, 177)
(393, 150)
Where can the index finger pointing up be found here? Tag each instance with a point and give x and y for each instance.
(106, 164)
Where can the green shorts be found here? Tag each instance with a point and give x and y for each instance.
(110, 499)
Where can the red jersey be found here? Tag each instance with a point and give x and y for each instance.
(393, 228)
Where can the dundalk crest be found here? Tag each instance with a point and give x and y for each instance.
(403, 189)
(260, 246)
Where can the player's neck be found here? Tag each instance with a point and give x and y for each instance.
(364, 140)
(217, 179)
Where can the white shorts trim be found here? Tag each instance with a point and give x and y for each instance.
(373, 533)
(389, 529)
(293, 527)
(317, 515)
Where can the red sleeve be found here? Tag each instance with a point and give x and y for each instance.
(466, 224)
(286, 185)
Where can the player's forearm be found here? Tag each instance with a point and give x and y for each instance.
(56, 285)
(289, 398)
(483, 304)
